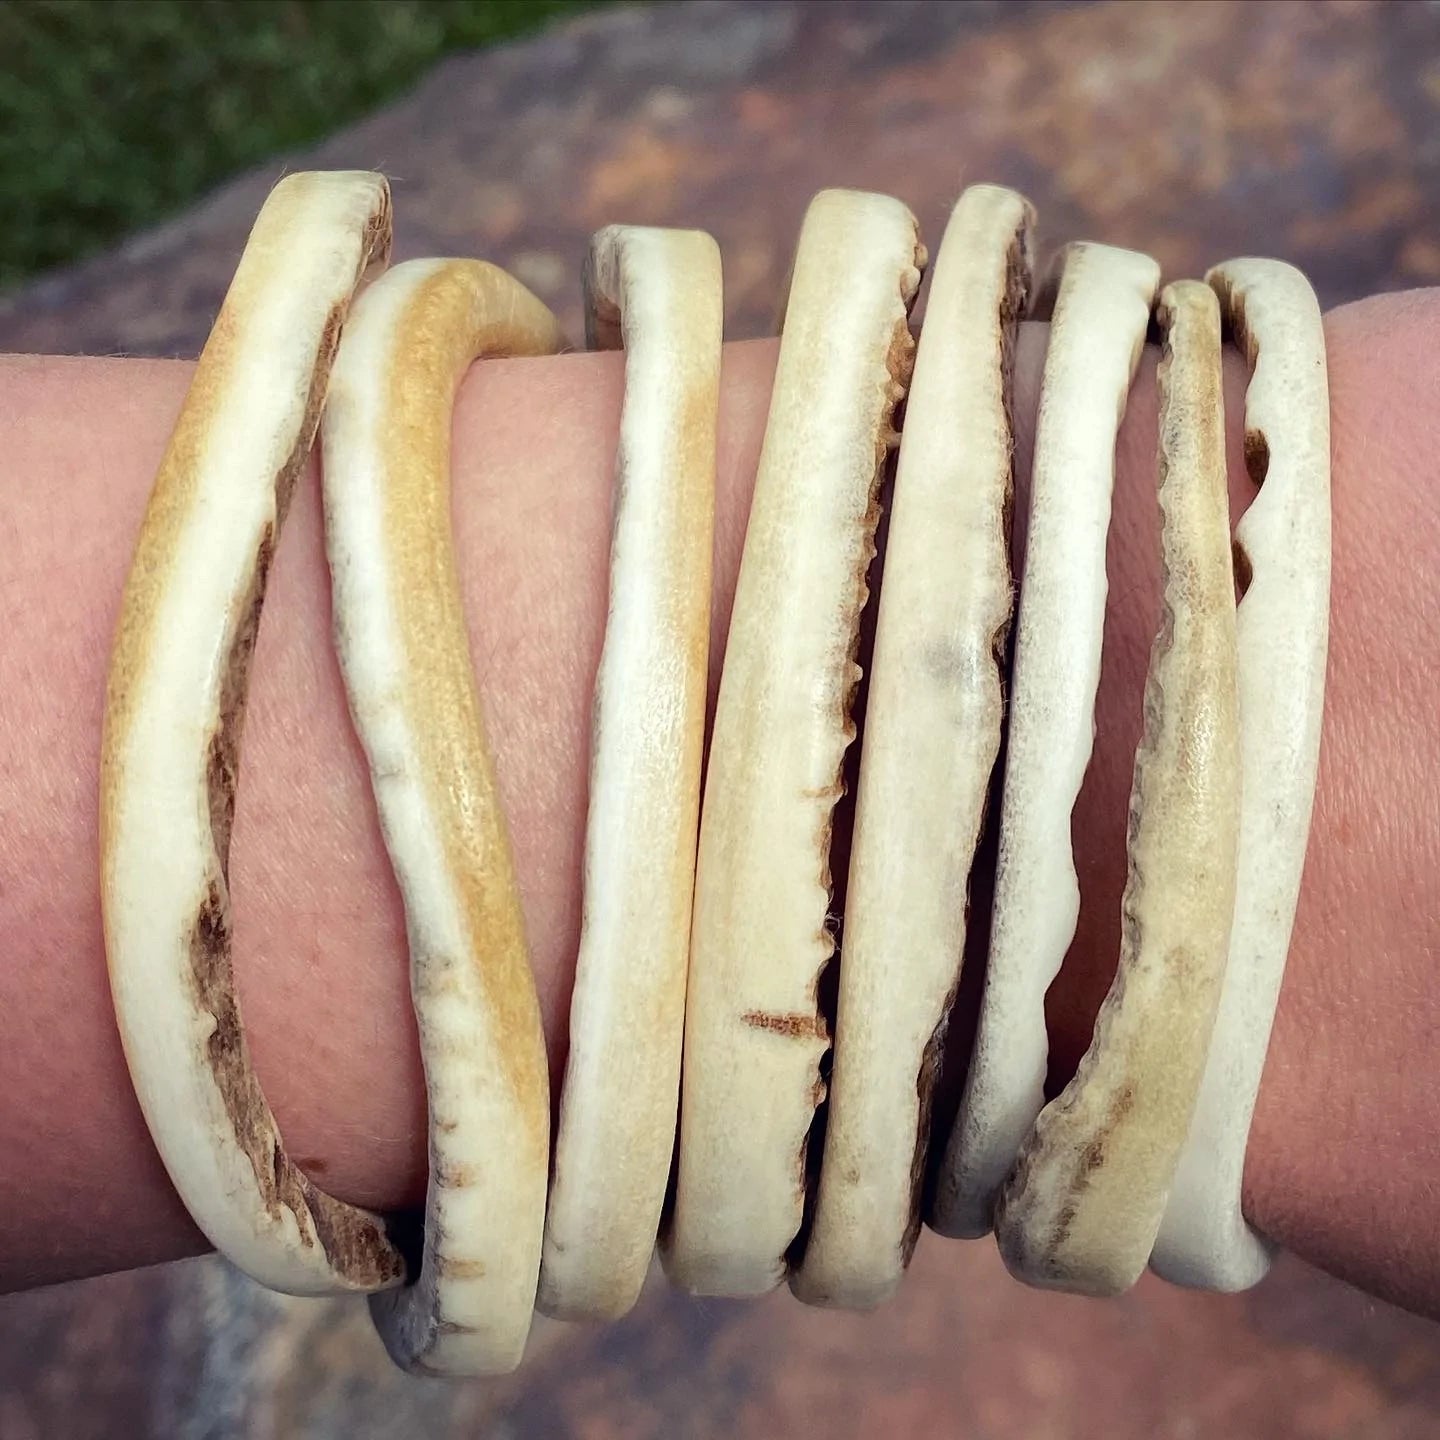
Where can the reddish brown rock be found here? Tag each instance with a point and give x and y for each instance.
(1195, 132)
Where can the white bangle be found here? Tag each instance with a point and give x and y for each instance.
(1083, 1205)
(754, 1035)
(401, 637)
(1282, 549)
(1097, 331)
(932, 732)
(170, 755)
(659, 293)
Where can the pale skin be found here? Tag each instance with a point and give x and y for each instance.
(1342, 1165)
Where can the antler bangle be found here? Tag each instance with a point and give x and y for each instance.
(400, 632)
(657, 292)
(170, 756)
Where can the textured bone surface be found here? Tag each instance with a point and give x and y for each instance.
(754, 1036)
(932, 732)
(657, 292)
(174, 710)
(1282, 626)
(401, 637)
(1082, 1208)
(1097, 330)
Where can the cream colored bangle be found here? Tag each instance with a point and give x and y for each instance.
(932, 731)
(754, 1036)
(1097, 331)
(657, 292)
(1283, 549)
(170, 755)
(1084, 1203)
(401, 637)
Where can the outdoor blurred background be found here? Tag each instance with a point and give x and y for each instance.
(114, 116)
(136, 143)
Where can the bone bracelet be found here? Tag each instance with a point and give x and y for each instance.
(1101, 307)
(659, 293)
(1282, 549)
(932, 731)
(170, 754)
(401, 637)
(1084, 1203)
(754, 1036)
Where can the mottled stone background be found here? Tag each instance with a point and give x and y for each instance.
(1193, 130)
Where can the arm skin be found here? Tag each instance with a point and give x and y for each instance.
(1343, 1165)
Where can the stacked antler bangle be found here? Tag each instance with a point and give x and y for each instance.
(171, 751)
(659, 293)
(1139, 1159)
(401, 637)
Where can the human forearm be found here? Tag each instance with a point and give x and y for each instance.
(1338, 1166)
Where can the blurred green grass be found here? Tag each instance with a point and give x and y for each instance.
(114, 114)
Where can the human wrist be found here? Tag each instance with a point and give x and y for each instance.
(320, 949)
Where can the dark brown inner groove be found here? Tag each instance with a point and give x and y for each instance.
(354, 1243)
(842, 831)
(1244, 570)
(1257, 456)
